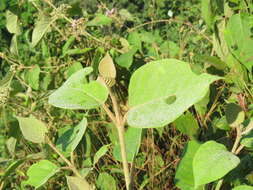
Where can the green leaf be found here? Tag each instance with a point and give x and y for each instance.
(126, 59)
(77, 183)
(12, 23)
(133, 141)
(234, 114)
(134, 40)
(222, 124)
(101, 152)
(40, 172)
(32, 129)
(41, 28)
(184, 174)
(76, 93)
(207, 12)
(243, 187)
(238, 36)
(100, 20)
(14, 45)
(106, 182)
(188, 125)
(211, 162)
(153, 83)
(33, 77)
(68, 141)
(247, 140)
(74, 68)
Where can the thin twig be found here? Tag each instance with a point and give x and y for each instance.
(71, 166)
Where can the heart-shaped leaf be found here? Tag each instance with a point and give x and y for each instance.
(76, 93)
(153, 84)
(211, 162)
(40, 172)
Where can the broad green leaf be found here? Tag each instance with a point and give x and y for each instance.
(100, 20)
(234, 114)
(207, 12)
(243, 187)
(188, 125)
(184, 174)
(40, 172)
(211, 162)
(74, 68)
(101, 152)
(106, 182)
(33, 77)
(32, 129)
(41, 28)
(12, 23)
(238, 35)
(77, 183)
(68, 141)
(133, 141)
(152, 84)
(76, 93)
(126, 59)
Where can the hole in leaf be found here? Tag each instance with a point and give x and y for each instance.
(171, 99)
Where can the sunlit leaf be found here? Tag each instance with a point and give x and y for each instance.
(76, 93)
(211, 162)
(40, 172)
(152, 84)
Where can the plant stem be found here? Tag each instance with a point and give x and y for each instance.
(238, 138)
(71, 166)
(119, 123)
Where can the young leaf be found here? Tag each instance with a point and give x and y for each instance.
(133, 141)
(243, 187)
(33, 76)
(69, 140)
(12, 23)
(74, 68)
(40, 172)
(77, 183)
(101, 152)
(41, 27)
(76, 93)
(184, 174)
(153, 83)
(32, 129)
(106, 182)
(126, 59)
(211, 162)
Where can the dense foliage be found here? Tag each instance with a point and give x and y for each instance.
(137, 94)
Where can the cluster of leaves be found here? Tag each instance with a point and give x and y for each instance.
(183, 91)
